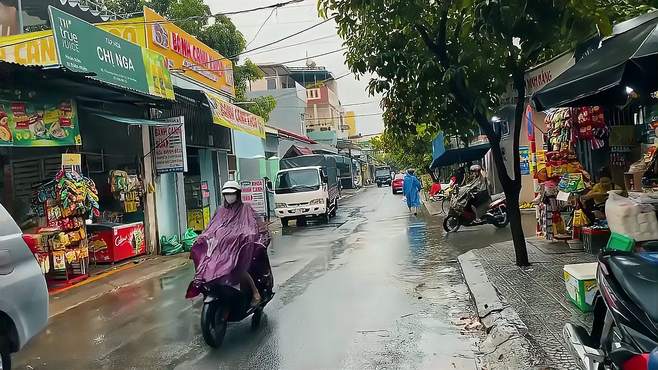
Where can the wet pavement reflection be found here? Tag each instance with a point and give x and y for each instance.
(376, 288)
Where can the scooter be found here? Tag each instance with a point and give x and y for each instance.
(624, 334)
(223, 304)
(496, 215)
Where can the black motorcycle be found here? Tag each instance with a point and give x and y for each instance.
(625, 329)
(223, 304)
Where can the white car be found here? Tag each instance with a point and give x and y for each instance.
(23, 291)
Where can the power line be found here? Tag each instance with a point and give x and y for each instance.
(356, 115)
(235, 12)
(271, 43)
(287, 61)
(261, 27)
(291, 45)
(362, 103)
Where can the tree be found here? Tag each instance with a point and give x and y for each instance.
(453, 58)
(221, 35)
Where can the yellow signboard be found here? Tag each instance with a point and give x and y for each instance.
(233, 117)
(38, 48)
(71, 159)
(187, 55)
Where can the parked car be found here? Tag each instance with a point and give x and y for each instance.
(23, 291)
(398, 183)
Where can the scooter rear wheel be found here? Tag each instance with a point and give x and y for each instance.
(451, 224)
(213, 325)
(502, 223)
(255, 318)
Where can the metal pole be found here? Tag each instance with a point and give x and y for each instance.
(20, 16)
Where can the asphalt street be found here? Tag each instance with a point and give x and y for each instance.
(377, 288)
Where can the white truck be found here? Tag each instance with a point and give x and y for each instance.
(306, 187)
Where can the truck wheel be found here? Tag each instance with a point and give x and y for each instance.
(301, 221)
(335, 210)
(379, 184)
(284, 222)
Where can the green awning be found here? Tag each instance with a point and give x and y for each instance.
(135, 121)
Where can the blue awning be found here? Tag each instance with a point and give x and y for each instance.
(135, 121)
(461, 155)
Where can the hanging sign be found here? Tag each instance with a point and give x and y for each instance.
(524, 157)
(192, 58)
(82, 47)
(253, 193)
(170, 149)
(233, 117)
(39, 124)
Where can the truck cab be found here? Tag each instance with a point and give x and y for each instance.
(383, 176)
(304, 192)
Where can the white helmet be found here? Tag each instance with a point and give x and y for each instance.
(231, 187)
(475, 168)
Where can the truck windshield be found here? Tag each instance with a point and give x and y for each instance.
(297, 181)
(382, 172)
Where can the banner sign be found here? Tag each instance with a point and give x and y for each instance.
(524, 155)
(39, 124)
(82, 47)
(170, 149)
(233, 117)
(184, 52)
(253, 193)
(38, 48)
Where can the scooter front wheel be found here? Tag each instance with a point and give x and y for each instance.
(213, 325)
(451, 224)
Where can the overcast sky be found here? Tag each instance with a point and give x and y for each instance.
(288, 20)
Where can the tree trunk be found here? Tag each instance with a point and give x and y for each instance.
(516, 228)
(512, 189)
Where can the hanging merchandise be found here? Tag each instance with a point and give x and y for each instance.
(61, 246)
(127, 189)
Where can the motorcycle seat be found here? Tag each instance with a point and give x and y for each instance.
(638, 276)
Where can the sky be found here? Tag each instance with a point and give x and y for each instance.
(290, 19)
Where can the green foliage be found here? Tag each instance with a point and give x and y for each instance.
(261, 106)
(446, 62)
(190, 15)
(403, 151)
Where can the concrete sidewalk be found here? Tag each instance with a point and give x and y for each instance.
(121, 276)
(534, 297)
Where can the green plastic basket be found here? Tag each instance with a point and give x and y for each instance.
(620, 242)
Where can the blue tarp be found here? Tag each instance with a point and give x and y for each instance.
(438, 146)
(461, 155)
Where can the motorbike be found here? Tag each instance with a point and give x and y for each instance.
(624, 334)
(464, 216)
(223, 304)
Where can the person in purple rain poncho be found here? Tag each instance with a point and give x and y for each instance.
(223, 253)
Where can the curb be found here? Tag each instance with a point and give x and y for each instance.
(506, 345)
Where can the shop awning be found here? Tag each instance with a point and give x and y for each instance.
(625, 59)
(461, 155)
(135, 121)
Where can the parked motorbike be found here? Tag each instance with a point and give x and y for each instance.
(223, 304)
(624, 334)
(464, 216)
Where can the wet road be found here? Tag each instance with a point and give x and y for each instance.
(375, 289)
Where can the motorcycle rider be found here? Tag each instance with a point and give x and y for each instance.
(477, 189)
(223, 253)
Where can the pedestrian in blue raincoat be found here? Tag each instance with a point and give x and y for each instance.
(411, 189)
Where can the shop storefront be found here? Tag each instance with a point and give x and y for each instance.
(600, 145)
(74, 175)
(75, 151)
